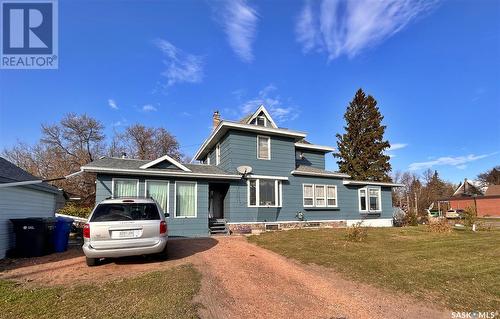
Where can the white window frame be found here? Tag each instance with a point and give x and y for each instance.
(315, 197)
(195, 199)
(260, 117)
(336, 197)
(217, 154)
(278, 193)
(367, 199)
(158, 181)
(304, 198)
(268, 147)
(122, 179)
(325, 186)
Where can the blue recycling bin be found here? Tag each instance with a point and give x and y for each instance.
(61, 235)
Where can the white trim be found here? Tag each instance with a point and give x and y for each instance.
(195, 199)
(341, 175)
(266, 113)
(168, 191)
(379, 222)
(278, 193)
(325, 187)
(315, 147)
(217, 154)
(368, 183)
(261, 117)
(163, 158)
(151, 172)
(208, 160)
(123, 179)
(281, 178)
(336, 197)
(245, 127)
(304, 198)
(268, 147)
(316, 186)
(367, 199)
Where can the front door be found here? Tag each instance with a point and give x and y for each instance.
(216, 200)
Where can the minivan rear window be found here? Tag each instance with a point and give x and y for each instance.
(125, 212)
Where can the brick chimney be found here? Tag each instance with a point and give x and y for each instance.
(215, 119)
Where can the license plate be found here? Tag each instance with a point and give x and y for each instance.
(126, 234)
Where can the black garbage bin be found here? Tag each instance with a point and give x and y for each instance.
(34, 236)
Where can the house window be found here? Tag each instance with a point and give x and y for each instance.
(319, 195)
(261, 120)
(308, 194)
(185, 199)
(158, 190)
(217, 154)
(374, 198)
(264, 193)
(331, 196)
(263, 147)
(125, 187)
(369, 199)
(362, 199)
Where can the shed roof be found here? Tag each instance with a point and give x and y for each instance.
(9, 173)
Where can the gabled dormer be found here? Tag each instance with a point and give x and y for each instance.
(261, 117)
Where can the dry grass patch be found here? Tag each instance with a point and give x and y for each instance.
(165, 294)
(460, 269)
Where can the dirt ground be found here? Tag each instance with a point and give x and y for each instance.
(240, 280)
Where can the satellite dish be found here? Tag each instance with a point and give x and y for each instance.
(244, 169)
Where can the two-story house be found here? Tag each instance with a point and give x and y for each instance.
(251, 175)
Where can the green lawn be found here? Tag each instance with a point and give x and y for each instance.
(460, 270)
(162, 294)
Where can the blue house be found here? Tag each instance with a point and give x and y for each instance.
(251, 176)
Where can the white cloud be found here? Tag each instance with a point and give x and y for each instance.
(397, 146)
(240, 24)
(149, 108)
(348, 27)
(112, 104)
(181, 66)
(273, 103)
(458, 162)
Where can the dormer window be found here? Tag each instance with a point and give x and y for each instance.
(261, 120)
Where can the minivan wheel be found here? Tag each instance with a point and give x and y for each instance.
(91, 261)
(164, 253)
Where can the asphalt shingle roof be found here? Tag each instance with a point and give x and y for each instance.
(315, 170)
(127, 163)
(10, 173)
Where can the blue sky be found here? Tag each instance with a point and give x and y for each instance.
(434, 68)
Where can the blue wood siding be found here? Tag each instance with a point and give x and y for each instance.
(240, 148)
(21, 202)
(186, 227)
(311, 158)
(347, 198)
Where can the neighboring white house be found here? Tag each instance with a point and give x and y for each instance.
(37, 200)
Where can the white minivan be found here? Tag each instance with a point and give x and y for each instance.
(125, 227)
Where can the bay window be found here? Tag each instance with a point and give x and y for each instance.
(370, 199)
(264, 193)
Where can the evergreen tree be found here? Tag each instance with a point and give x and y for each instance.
(361, 147)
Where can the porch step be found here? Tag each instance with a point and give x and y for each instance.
(217, 226)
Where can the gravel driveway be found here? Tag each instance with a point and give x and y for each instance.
(240, 280)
